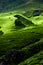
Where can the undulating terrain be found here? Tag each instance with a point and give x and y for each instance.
(21, 32)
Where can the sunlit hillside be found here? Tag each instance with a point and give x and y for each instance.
(21, 32)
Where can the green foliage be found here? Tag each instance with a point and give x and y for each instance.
(1, 32)
(18, 24)
(21, 36)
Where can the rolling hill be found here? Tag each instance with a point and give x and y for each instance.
(21, 32)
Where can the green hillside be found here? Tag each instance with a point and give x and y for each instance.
(21, 32)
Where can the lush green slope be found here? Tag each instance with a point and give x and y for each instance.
(21, 32)
(27, 41)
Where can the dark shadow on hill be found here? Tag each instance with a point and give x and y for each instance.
(1, 32)
(16, 56)
(32, 13)
(22, 21)
(18, 24)
(37, 12)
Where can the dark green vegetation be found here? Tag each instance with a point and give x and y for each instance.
(10, 4)
(20, 5)
(22, 21)
(21, 32)
(34, 13)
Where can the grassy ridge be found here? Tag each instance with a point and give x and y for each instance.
(21, 46)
